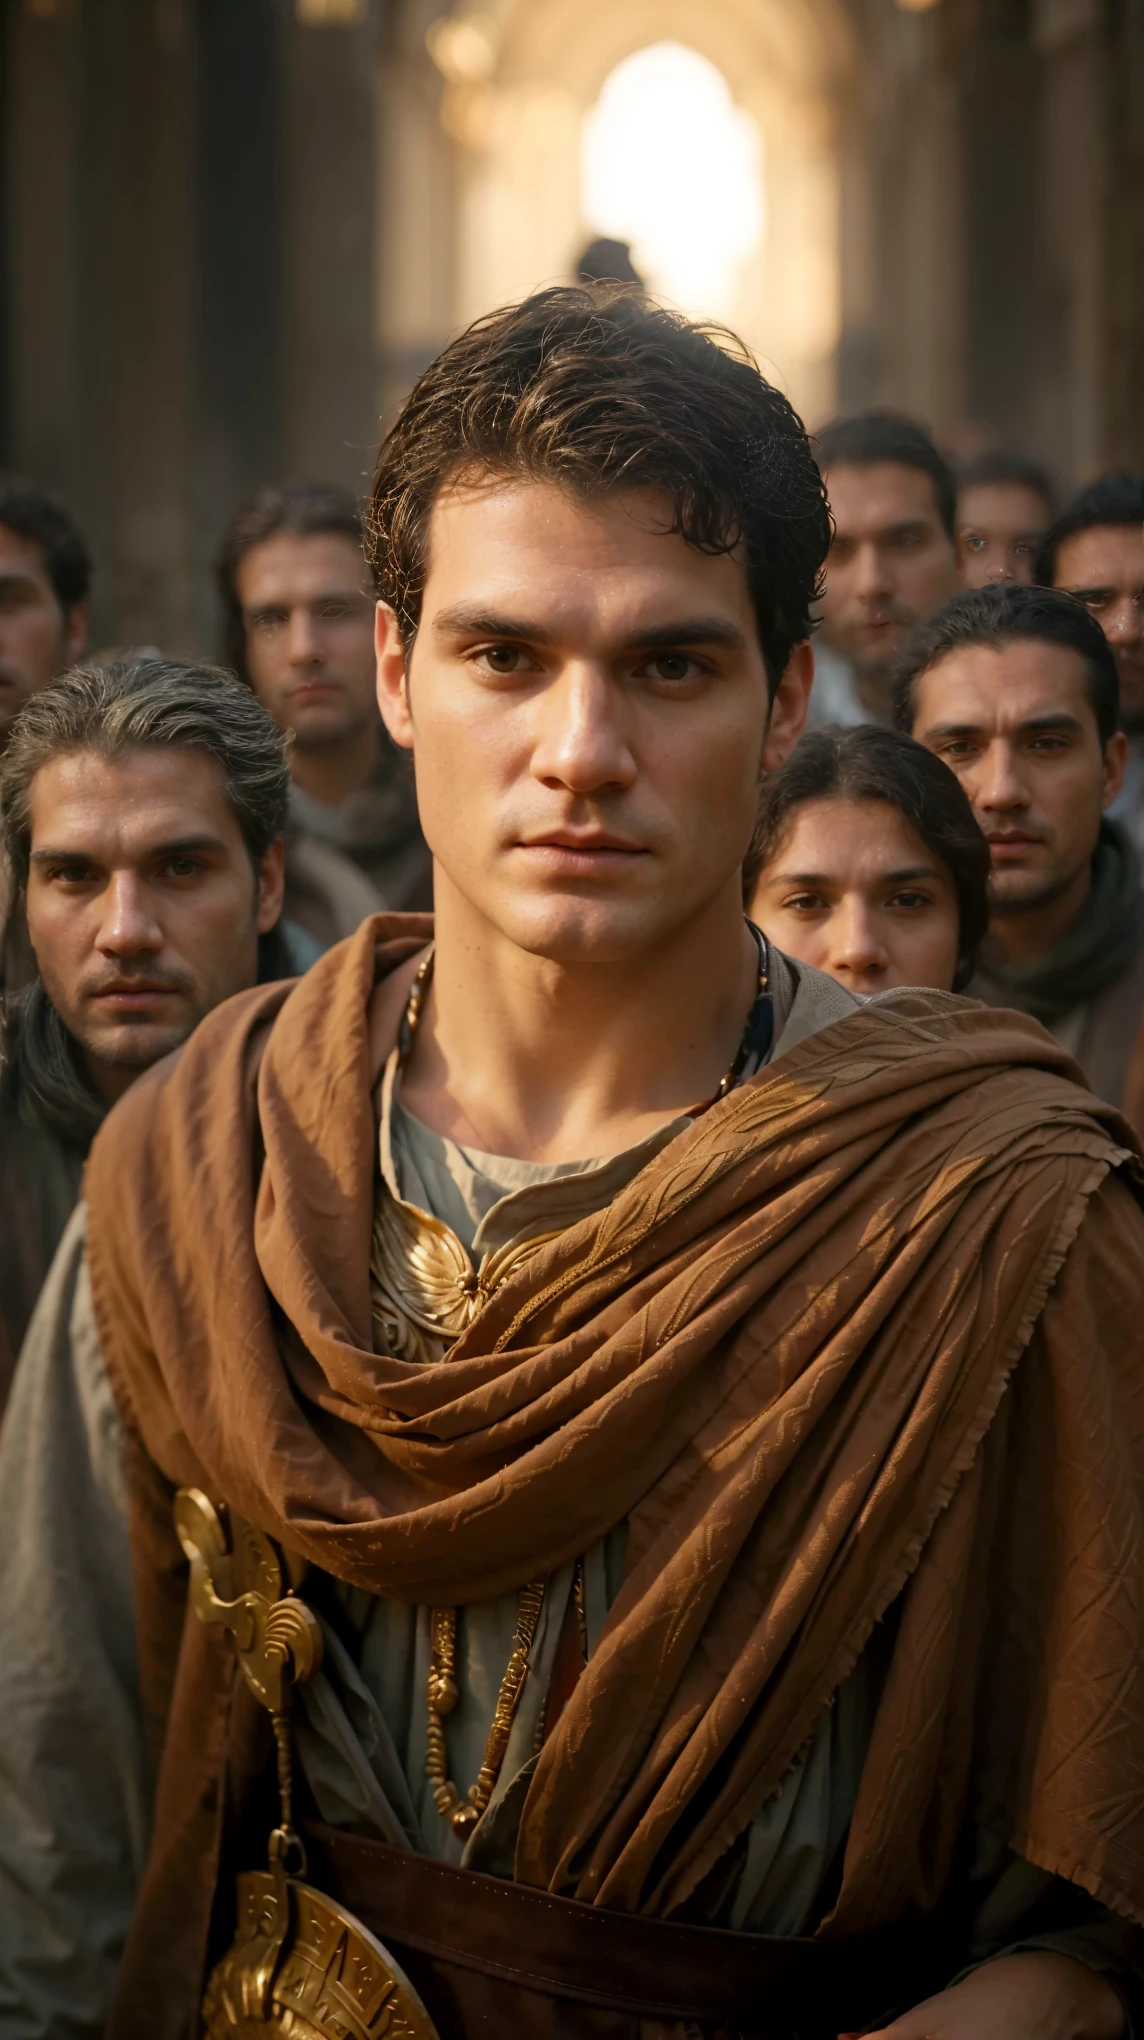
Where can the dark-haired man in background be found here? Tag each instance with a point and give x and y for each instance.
(143, 811)
(892, 560)
(1004, 507)
(45, 580)
(298, 617)
(704, 1598)
(1016, 689)
(1095, 550)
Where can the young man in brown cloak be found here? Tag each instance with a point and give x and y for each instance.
(652, 1444)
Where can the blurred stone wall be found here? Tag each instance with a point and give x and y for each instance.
(232, 231)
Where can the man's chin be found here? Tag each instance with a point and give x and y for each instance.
(572, 932)
(131, 1050)
(1025, 894)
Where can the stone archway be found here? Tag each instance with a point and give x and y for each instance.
(521, 77)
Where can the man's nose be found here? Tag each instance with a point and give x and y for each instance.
(1124, 623)
(871, 571)
(127, 925)
(303, 640)
(996, 784)
(582, 741)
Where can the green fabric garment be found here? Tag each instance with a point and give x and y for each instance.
(1096, 947)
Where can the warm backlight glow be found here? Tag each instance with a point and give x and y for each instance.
(672, 165)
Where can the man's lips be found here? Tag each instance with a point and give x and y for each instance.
(130, 998)
(305, 688)
(585, 847)
(1013, 846)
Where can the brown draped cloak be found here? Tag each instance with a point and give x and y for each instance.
(872, 1324)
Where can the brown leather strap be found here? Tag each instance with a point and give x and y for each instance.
(651, 1968)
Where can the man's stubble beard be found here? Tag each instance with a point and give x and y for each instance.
(1033, 894)
(136, 1056)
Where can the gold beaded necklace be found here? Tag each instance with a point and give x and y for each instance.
(443, 1691)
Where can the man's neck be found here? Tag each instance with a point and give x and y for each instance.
(331, 773)
(1021, 940)
(875, 690)
(517, 1055)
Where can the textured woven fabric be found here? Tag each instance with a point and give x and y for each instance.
(873, 1320)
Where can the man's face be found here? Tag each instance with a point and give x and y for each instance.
(1018, 729)
(143, 907)
(38, 639)
(1104, 568)
(587, 706)
(309, 636)
(891, 564)
(999, 527)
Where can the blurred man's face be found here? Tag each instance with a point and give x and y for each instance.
(1018, 729)
(891, 564)
(587, 708)
(309, 636)
(999, 527)
(38, 639)
(1104, 569)
(144, 910)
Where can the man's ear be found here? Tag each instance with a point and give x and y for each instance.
(392, 687)
(271, 886)
(1115, 760)
(788, 709)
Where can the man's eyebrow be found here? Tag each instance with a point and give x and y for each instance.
(179, 846)
(901, 528)
(685, 630)
(283, 602)
(1055, 719)
(17, 580)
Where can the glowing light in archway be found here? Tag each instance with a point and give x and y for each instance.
(672, 165)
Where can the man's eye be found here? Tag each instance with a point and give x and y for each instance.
(183, 867)
(806, 903)
(502, 658)
(267, 623)
(973, 541)
(70, 874)
(910, 902)
(671, 666)
(957, 751)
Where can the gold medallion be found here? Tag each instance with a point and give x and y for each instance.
(301, 1967)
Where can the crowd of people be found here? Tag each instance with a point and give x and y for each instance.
(944, 796)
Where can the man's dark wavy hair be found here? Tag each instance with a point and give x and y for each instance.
(597, 389)
(33, 513)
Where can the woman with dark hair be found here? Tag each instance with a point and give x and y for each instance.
(867, 862)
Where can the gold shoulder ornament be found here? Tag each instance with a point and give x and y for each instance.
(299, 1966)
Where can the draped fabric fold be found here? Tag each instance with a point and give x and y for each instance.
(792, 1354)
